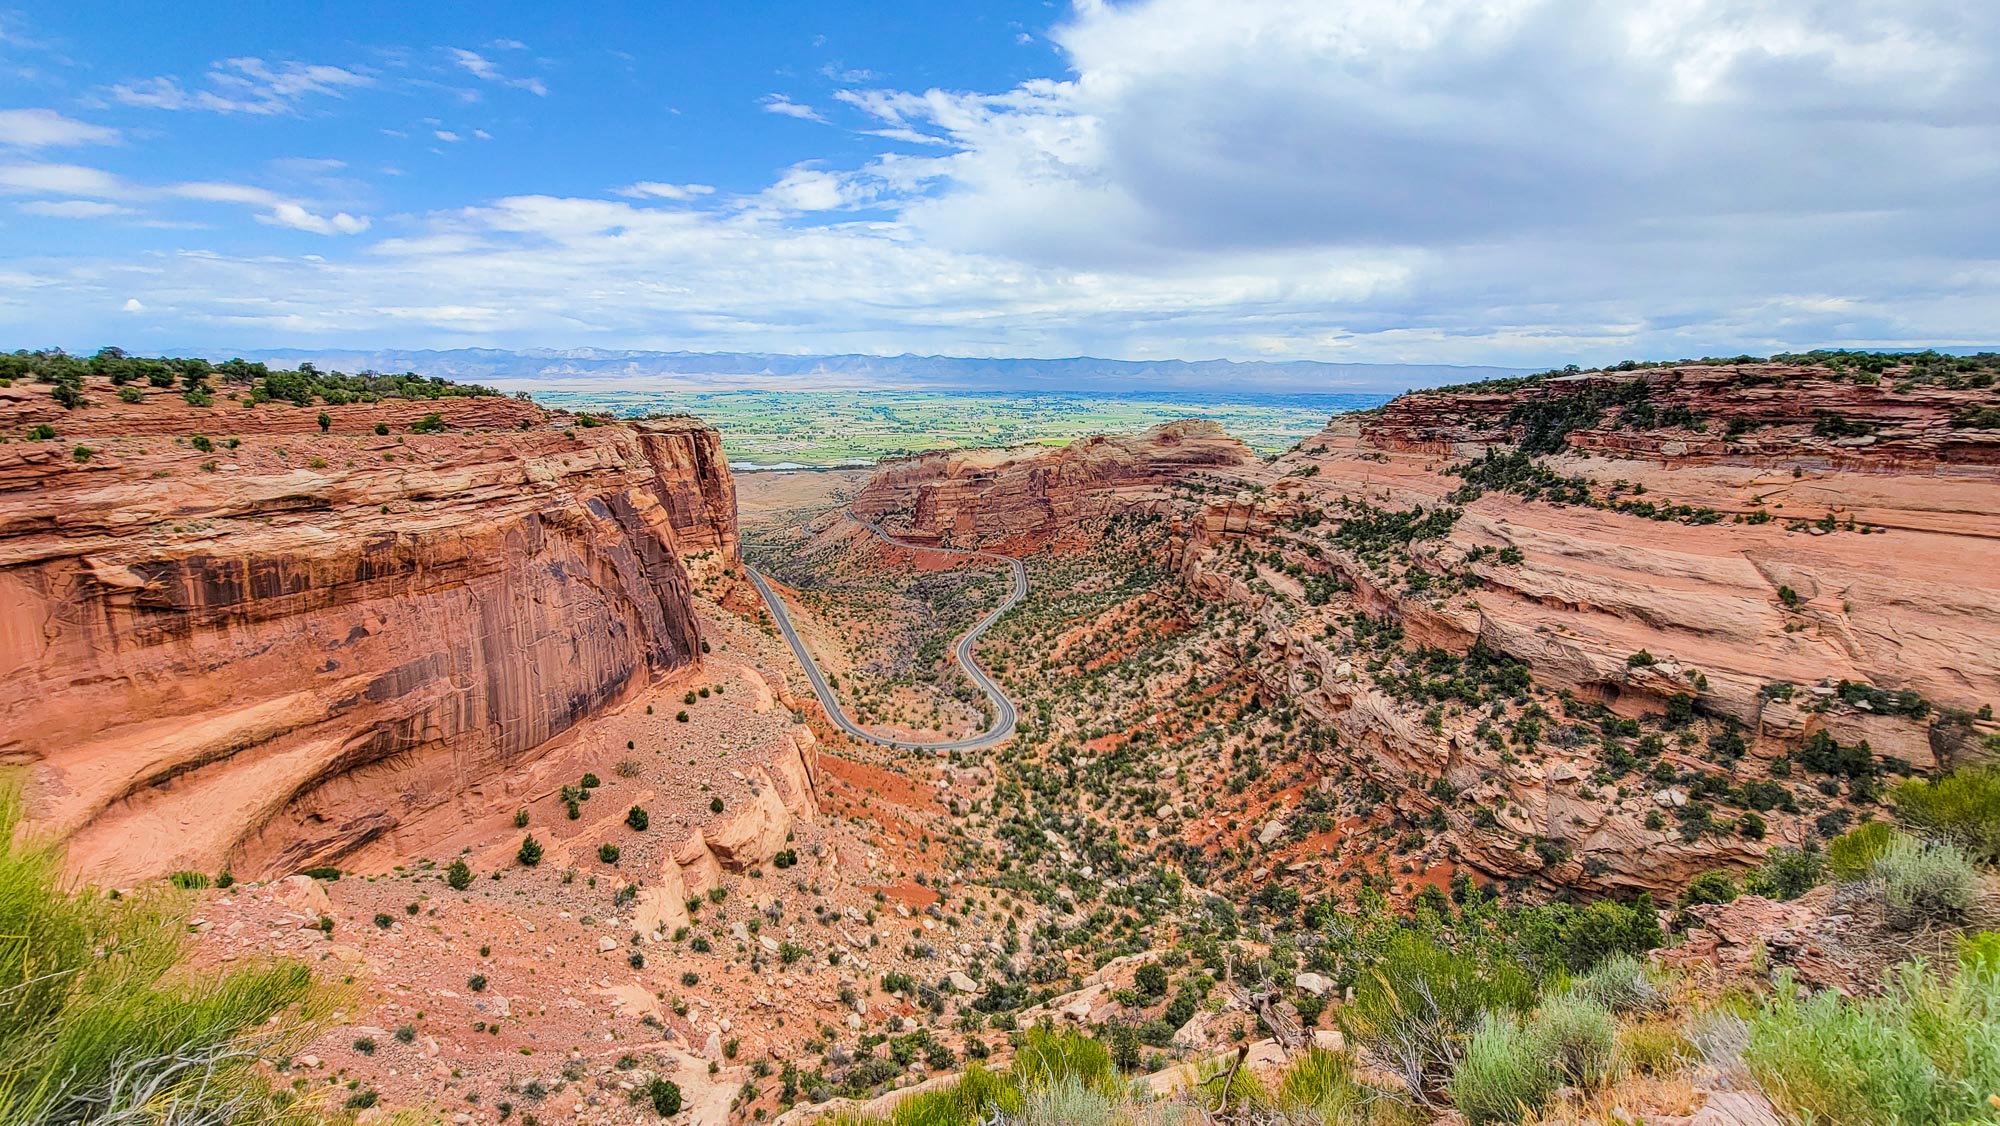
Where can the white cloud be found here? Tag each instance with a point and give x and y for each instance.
(298, 218)
(73, 209)
(811, 189)
(484, 69)
(41, 128)
(60, 179)
(446, 135)
(1526, 181)
(133, 305)
(780, 104)
(659, 190)
(243, 85)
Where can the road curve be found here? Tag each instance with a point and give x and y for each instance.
(1003, 709)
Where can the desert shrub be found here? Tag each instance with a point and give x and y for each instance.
(1786, 873)
(1048, 1058)
(1653, 1047)
(1151, 979)
(1710, 887)
(1069, 1102)
(459, 875)
(1620, 983)
(1320, 1083)
(1561, 936)
(1925, 881)
(1414, 1008)
(972, 1099)
(665, 1095)
(637, 819)
(1579, 1036)
(530, 853)
(1505, 1074)
(1962, 807)
(1926, 1052)
(1852, 855)
(95, 1024)
(189, 881)
(608, 853)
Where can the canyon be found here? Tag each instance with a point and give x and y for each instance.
(1590, 636)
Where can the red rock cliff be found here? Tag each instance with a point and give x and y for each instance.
(991, 494)
(268, 646)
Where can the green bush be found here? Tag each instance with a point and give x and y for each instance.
(97, 1026)
(1048, 1058)
(1579, 1036)
(608, 853)
(637, 819)
(1786, 873)
(665, 1095)
(459, 875)
(1320, 1084)
(1415, 1006)
(1620, 983)
(1962, 807)
(1925, 881)
(1505, 1074)
(1710, 887)
(1852, 855)
(531, 851)
(1926, 1052)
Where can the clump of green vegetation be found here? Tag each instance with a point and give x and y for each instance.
(1925, 881)
(1505, 1073)
(1852, 855)
(530, 853)
(1926, 1052)
(95, 1025)
(1962, 807)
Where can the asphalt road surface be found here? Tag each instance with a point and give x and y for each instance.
(1003, 709)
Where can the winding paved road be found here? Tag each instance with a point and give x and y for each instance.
(1003, 708)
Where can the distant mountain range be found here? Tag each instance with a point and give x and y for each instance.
(594, 368)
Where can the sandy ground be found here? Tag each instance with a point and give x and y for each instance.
(781, 495)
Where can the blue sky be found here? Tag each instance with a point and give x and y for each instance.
(1475, 181)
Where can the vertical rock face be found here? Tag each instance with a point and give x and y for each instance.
(687, 462)
(264, 655)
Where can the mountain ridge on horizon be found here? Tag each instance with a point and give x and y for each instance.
(684, 370)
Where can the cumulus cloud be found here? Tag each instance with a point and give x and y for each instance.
(1530, 181)
(42, 128)
(247, 85)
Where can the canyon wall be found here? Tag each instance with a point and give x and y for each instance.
(986, 495)
(1747, 538)
(1702, 570)
(231, 639)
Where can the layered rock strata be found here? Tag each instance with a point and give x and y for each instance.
(229, 638)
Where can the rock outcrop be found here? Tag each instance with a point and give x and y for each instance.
(1789, 585)
(233, 637)
(986, 495)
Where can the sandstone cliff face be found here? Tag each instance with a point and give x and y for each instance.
(986, 495)
(265, 653)
(1797, 560)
